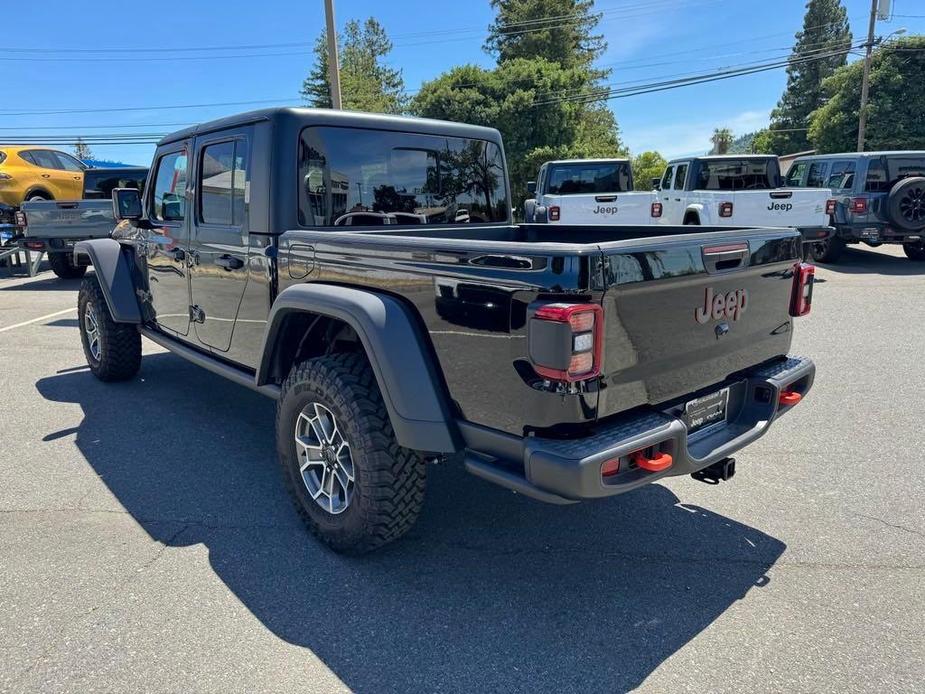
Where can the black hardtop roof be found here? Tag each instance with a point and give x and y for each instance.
(301, 117)
(721, 157)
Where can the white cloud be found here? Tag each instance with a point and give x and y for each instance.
(681, 139)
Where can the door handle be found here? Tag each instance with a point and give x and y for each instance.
(229, 262)
(46, 175)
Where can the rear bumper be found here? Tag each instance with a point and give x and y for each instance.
(877, 233)
(816, 234)
(569, 470)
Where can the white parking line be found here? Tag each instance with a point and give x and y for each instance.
(39, 319)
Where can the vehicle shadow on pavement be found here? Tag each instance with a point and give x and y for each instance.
(489, 592)
(48, 284)
(857, 260)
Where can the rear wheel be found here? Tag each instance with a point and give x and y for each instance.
(354, 487)
(827, 251)
(63, 265)
(113, 350)
(915, 251)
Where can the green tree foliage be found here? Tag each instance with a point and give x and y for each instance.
(896, 108)
(505, 98)
(82, 150)
(825, 29)
(561, 31)
(722, 140)
(366, 82)
(646, 166)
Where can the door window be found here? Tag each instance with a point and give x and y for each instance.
(842, 175)
(222, 183)
(666, 178)
(795, 175)
(679, 176)
(816, 177)
(169, 196)
(876, 181)
(67, 162)
(43, 158)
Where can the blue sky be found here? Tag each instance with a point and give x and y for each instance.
(57, 68)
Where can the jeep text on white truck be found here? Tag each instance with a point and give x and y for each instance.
(588, 191)
(737, 190)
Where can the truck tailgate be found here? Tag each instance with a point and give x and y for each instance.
(787, 207)
(603, 208)
(690, 311)
(67, 219)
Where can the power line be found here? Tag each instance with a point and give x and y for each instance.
(43, 112)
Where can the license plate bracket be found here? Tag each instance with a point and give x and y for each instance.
(706, 411)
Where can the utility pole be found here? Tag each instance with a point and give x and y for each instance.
(865, 80)
(333, 65)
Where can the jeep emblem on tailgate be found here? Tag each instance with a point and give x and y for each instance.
(722, 306)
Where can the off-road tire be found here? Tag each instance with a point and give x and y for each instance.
(119, 343)
(905, 204)
(63, 265)
(915, 251)
(389, 480)
(828, 251)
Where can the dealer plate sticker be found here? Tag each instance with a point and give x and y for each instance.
(702, 412)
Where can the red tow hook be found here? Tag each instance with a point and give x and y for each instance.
(660, 461)
(789, 398)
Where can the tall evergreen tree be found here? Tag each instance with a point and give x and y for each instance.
(366, 82)
(825, 29)
(722, 140)
(82, 150)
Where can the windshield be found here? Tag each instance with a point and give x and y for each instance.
(737, 174)
(578, 178)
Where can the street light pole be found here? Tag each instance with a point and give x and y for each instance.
(865, 80)
(333, 65)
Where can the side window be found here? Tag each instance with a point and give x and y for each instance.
(795, 174)
(666, 178)
(169, 196)
(816, 176)
(44, 159)
(27, 157)
(222, 183)
(842, 175)
(67, 162)
(679, 176)
(876, 181)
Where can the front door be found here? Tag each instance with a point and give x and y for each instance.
(168, 239)
(219, 242)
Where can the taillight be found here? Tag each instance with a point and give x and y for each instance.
(20, 218)
(859, 205)
(830, 206)
(566, 341)
(35, 245)
(554, 214)
(801, 297)
(656, 209)
(725, 209)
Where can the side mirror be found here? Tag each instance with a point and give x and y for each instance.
(126, 204)
(656, 183)
(531, 187)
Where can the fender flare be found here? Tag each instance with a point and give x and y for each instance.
(409, 380)
(114, 272)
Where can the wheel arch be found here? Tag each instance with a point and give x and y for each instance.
(388, 332)
(113, 268)
(32, 190)
(693, 214)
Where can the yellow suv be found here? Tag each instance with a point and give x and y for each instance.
(35, 173)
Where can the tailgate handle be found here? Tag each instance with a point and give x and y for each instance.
(66, 205)
(782, 195)
(605, 198)
(724, 258)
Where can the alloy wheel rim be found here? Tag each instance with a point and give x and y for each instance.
(92, 328)
(325, 459)
(912, 205)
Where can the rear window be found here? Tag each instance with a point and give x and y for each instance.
(737, 174)
(2, 157)
(352, 176)
(577, 179)
(99, 183)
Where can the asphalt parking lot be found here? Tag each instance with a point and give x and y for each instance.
(147, 544)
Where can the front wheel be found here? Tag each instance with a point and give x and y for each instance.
(354, 487)
(915, 251)
(113, 350)
(63, 265)
(827, 251)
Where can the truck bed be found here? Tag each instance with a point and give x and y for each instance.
(475, 287)
(68, 220)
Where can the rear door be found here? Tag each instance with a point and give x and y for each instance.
(219, 241)
(683, 313)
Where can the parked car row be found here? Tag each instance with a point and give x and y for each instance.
(834, 199)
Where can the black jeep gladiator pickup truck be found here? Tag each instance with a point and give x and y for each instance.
(364, 271)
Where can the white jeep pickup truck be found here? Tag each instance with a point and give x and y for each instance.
(588, 191)
(741, 190)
